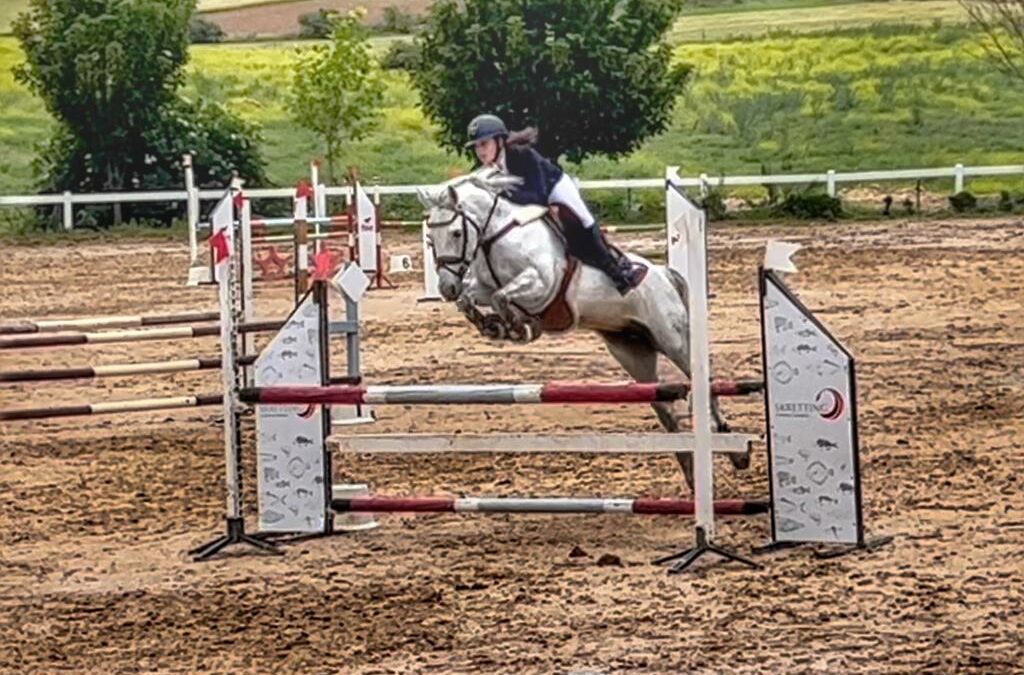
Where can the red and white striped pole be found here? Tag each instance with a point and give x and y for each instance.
(108, 337)
(104, 322)
(112, 407)
(645, 506)
(469, 394)
(488, 394)
(114, 370)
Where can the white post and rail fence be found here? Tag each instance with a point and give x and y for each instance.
(192, 195)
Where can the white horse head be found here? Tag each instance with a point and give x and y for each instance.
(459, 215)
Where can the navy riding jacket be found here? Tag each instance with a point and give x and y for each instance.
(539, 175)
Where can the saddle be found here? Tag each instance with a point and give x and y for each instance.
(558, 315)
(612, 256)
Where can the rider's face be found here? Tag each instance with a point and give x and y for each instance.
(487, 151)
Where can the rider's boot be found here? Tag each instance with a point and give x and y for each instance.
(622, 272)
(588, 245)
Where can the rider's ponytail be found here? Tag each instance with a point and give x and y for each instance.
(523, 138)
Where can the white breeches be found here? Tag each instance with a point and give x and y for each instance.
(567, 194)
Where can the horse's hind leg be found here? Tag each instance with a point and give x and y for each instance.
(640, 360)
(673, 340)
(670, 333)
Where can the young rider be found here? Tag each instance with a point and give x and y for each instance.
(546, 184)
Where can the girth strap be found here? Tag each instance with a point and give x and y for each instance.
(558, 316)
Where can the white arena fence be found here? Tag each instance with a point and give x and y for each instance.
(192, 196)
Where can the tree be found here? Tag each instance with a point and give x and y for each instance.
(109, 72)
(203, 31)
(595, 76)
(337, 88)
(397, 21)
(317, 25)
(401, 55)
(1003, 23)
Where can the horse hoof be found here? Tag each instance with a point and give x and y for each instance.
(522, 334)
(492, 327)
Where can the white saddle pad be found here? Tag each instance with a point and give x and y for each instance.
(529, 213)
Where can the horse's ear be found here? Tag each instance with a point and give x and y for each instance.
(424, 198)
(453, 196)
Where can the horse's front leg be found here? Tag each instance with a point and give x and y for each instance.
(491, 326)
(527, 289)
(473, 296)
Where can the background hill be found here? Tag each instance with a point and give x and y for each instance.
(702, 19)
(267, 18)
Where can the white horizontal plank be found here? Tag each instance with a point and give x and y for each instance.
(623, 183)
(28, 200)
(787, 179)
(256, 193)
(129, 197)
(899, 174)
(610, 443)
(689, 180)
(1013, 170)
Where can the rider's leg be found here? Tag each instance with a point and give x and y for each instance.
(585, 240)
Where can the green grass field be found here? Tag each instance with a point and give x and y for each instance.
(720, 7)
(872, 98)
(756, 19)
(23, 124)
(9, 9)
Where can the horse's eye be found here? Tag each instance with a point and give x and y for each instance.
(457, 234)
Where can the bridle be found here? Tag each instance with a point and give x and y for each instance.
(459, 264)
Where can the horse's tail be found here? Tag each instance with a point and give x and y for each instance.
(679, 283)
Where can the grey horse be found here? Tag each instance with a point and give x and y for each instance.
(490, 252)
